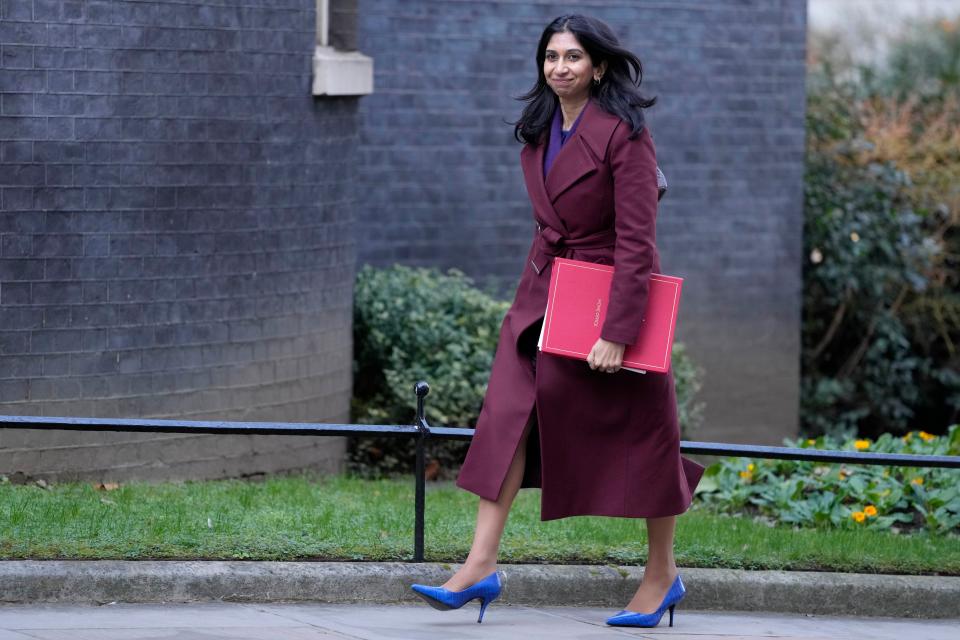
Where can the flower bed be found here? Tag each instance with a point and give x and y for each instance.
(818, 494)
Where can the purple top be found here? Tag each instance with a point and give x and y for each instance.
(558, 137)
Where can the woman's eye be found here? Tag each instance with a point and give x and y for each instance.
(572, 56)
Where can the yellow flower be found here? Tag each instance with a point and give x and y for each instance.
(861, 444)
(870, 510)
(811, 441)
(927, 437)
(858, 516)
(746, 475)
(917, 480)
(906, 438)
(750, 467)
(844, 474)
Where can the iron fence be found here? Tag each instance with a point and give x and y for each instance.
(423, 431)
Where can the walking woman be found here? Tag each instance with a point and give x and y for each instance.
(596, 439)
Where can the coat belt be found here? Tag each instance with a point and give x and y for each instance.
(549, 244)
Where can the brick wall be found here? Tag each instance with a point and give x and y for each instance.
(175, 215)
(441, 183)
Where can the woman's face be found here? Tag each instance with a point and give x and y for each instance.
(567, 67)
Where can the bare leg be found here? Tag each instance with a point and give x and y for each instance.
(661, 570)
(491, 519)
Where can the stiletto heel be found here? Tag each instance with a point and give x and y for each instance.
(627, 618)
(487, 590)
(483, 607)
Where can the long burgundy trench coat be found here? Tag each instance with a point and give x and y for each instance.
(603, 443)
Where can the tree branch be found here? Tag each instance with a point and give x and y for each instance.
(861, 349)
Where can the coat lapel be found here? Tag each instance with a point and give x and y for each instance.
(578, 158)
(572, 163)
(531, 160)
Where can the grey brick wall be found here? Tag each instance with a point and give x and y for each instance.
(441, 182)
(175, 216)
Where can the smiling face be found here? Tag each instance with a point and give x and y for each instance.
(567, 67)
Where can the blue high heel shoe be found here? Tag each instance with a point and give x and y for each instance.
(626, 618)
(487, 590)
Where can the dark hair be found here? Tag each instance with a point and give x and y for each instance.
(618, 91)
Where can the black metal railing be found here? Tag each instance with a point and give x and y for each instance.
(423, 431)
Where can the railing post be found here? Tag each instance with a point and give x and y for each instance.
(421, 389)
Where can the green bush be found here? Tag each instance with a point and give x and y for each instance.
(881, 304)
(924, 62)
(415, 324)
(867, 251)
(687, 377)
(818, 494)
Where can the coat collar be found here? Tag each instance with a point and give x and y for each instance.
(585, 148)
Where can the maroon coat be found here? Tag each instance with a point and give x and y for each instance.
(606, 443)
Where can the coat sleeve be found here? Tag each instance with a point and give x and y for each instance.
(633, 165)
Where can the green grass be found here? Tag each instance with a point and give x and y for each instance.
(339, 518)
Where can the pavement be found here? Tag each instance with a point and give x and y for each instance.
(30, 582)
(299, 621)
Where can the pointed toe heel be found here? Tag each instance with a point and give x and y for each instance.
(627, 618)
(487, 590)
(427, 594)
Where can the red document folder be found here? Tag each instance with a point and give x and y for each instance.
(577, 306)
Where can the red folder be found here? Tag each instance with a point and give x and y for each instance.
(577, 306)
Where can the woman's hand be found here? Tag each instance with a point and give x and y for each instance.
(606, 356)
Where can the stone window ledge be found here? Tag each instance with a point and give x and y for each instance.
(341, 73)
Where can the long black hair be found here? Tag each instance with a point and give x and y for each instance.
(619, 88)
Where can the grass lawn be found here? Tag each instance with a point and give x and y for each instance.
(306, 517)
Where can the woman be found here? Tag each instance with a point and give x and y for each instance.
(606, 441)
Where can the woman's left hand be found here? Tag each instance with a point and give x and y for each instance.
(606, 356)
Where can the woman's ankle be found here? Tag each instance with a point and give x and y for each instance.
(485, 565)
(660, 572)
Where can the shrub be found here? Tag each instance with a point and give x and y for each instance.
(924, 62)
(415, 324)
(687, 378)
(881, 316)
(866, 254)
(851, 496)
